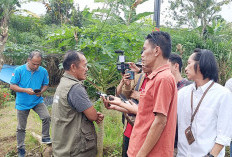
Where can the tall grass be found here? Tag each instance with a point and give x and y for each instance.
(113, 134)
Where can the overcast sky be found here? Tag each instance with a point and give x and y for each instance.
(39, 8)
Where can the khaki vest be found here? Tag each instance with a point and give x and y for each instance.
(72, 133)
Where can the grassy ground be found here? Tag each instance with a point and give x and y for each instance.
(8, 123)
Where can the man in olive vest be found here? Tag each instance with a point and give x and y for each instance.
(73, 132)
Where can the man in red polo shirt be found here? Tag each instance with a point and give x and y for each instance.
(154, 130)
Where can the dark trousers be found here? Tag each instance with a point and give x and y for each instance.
(125, 146)
(22, 116)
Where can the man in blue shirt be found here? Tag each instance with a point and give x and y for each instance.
(29, 81)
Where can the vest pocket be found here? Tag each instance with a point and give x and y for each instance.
(88, 138)
(88, 141)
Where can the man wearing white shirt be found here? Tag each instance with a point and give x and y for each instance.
(229, 86)
(206, 133)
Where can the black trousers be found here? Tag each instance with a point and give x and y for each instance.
(125, 146)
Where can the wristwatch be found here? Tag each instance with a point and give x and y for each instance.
(210, 155)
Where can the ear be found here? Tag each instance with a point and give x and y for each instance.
(176, 66)
(157, 51)
(73, 67)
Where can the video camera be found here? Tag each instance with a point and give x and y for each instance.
(121, 65)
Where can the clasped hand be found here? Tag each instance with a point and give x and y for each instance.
(100, 117)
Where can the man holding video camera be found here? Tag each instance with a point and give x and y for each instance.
(130, 86)
(29, 81)
(129, 81)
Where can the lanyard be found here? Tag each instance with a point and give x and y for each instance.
(193, 115)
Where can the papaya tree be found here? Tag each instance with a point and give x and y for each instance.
(102, 78)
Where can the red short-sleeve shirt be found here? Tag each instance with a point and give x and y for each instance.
(159, 96)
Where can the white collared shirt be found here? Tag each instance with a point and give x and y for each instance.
(229, 84)
(212, 122)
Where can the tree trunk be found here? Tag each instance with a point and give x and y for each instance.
(203, 24)
(1, 57)
(3, 38)
(100, 135)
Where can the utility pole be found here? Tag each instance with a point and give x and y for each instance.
(157, 14)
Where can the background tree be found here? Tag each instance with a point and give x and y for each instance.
(6, 9)
(26, 33)
(76, 17)
(58, 11)
(196, 13)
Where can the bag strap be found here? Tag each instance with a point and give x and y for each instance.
(138, 83)
(198, 106)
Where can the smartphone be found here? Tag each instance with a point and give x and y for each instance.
(105, 95)
(37, 90)
(132, 74)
